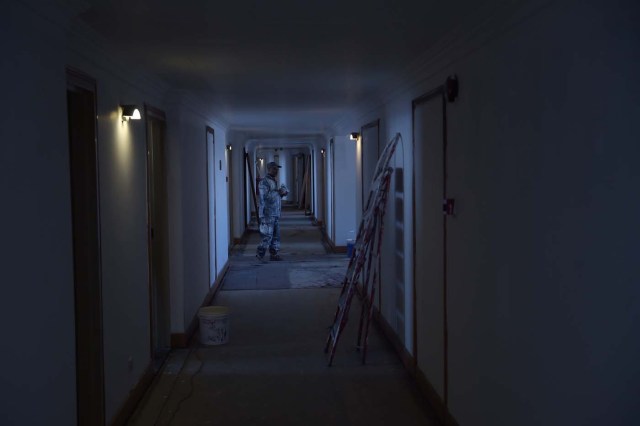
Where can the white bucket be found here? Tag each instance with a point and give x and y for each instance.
(214, 325)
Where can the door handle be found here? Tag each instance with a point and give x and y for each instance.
(448, 207)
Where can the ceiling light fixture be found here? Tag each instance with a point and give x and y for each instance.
(130, 112)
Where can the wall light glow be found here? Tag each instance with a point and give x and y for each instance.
(124, 152)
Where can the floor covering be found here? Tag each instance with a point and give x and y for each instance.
(273, 370)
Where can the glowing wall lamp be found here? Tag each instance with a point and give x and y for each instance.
(354, 136)
(229, 148)
(322, 151)
(130, 112)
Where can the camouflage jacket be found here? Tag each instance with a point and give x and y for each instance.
(269, 198)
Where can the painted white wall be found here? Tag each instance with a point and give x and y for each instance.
(542, 142)
(358, 176)
(37, 316)
(550, 270)
(543, 304)
(122, 180)
(123, 215)
(35, 176)
(189, 243)
(124, 222)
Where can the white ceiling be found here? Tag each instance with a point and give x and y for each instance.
(279, 66)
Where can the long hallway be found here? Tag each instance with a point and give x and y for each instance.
(273, 370)
(133, 139)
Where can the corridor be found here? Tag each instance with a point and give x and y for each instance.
(273, 370)
(135, 135)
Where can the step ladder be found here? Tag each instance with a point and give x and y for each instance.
(362, 277)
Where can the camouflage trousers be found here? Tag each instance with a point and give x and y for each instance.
(270, 235)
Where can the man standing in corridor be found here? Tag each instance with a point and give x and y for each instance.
(270, 196)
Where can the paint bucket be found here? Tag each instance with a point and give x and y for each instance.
(214, 325)
(350, 244)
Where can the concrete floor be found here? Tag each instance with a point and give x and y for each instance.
(273, 370)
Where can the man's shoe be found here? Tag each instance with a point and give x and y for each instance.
(275, 257)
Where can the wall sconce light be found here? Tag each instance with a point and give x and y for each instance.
(322, 151)
(229, 147)
(354, 136)
(130, 112)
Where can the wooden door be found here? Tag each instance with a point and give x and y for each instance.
(430, 340)
(85, 211)
(332, 208)
(158, 241)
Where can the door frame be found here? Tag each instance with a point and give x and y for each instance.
(230, 198)
(312, 169)
(323, 185)
(90, 395)
(245, 192)
(155, 114)
(374, 123)
(433, 94)
(332, 147)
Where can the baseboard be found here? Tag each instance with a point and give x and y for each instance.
(334, 248)
(134, 397)
(392, 337)
(434, 399)
(178, 340)
(181, 340)
(431, 396)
